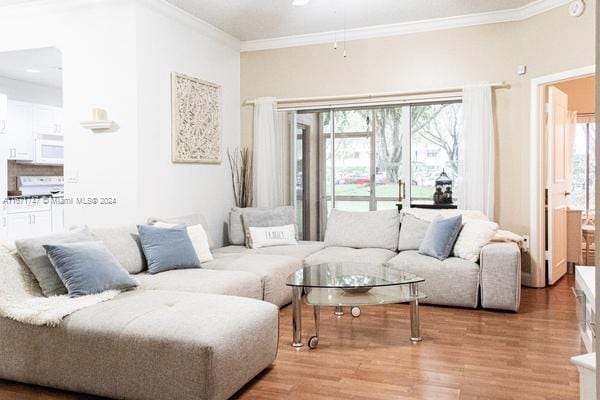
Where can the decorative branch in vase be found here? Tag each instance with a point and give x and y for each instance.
(240, 162)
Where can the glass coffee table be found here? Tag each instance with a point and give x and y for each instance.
(352, 285)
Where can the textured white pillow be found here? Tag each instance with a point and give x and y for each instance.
(198, 237)
(271, 236)
(474, 235)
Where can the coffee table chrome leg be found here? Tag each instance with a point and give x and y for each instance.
(415, 328)
(297, 316)
(314, 340)
(339, 311)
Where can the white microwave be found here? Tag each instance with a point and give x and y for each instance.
(49, 151)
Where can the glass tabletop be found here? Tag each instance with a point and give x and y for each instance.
(344, 275)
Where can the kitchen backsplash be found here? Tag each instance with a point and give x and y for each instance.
(15, 170)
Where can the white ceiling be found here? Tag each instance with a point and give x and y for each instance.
(262, 19)
(14, 65)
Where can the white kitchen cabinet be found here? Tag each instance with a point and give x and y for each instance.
(18, 225)
(28, 224)
(47, 120)
(3, 112)
(28, 218)
(20, 140)
(41, 223)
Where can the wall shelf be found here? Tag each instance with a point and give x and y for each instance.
(98, 125)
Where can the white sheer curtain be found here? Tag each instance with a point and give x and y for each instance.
(268, 155)
(476, 168)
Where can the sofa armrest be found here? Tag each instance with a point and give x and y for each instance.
(500, 268)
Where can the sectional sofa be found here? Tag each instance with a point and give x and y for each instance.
(204, 333)
(493, 282)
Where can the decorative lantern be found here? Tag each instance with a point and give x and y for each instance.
(443, 189)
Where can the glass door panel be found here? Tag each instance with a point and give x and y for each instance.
(352, 163)
(391, 127)
(435, 145)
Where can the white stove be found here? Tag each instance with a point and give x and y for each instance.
(33, 186)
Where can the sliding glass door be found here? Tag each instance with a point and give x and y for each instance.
(373, 158)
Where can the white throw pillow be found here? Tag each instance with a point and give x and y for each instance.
(474, 235)
(198, 237)
(431, 214)
(271, 236)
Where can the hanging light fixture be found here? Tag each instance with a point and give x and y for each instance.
(335, 30)
(345, 54)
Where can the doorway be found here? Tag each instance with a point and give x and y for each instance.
(563, 135)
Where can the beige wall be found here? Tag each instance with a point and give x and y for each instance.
(548, 43)
(582, 94)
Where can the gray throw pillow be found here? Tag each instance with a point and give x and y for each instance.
(242, 218)
(167, 248)
(34, 255)
(412, 232)
(440, 237)
(88, 268)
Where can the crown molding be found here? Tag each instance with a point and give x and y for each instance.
(163, 7)
(511, 15)
(169, 10)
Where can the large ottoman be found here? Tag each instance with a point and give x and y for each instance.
(147, 345)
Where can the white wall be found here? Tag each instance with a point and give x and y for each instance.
(97, 40)
(165, 44)
(30, 92)
(118, 55)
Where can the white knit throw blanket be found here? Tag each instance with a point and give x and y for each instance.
(22, 300)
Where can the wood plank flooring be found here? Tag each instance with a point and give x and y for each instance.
(465, 354)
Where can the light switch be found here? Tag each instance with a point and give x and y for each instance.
(521, 69)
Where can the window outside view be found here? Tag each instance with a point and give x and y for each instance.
(582, 176)
(434, 131)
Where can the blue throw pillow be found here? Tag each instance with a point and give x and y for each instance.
(88, 268)
(440, 237)
(167, 248)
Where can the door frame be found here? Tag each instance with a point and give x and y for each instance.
(536, 277)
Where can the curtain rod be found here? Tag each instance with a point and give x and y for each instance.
(497, 85)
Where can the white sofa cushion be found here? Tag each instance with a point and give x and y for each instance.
(347, 254)
(302, 250)
(412, 232)
(200, 280)
(273, 271)
(372, 229)
(451, 282)
(124, 243)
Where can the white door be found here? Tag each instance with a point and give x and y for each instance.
(557, 183)
(20, 136)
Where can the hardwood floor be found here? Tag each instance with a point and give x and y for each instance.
(465, 354)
